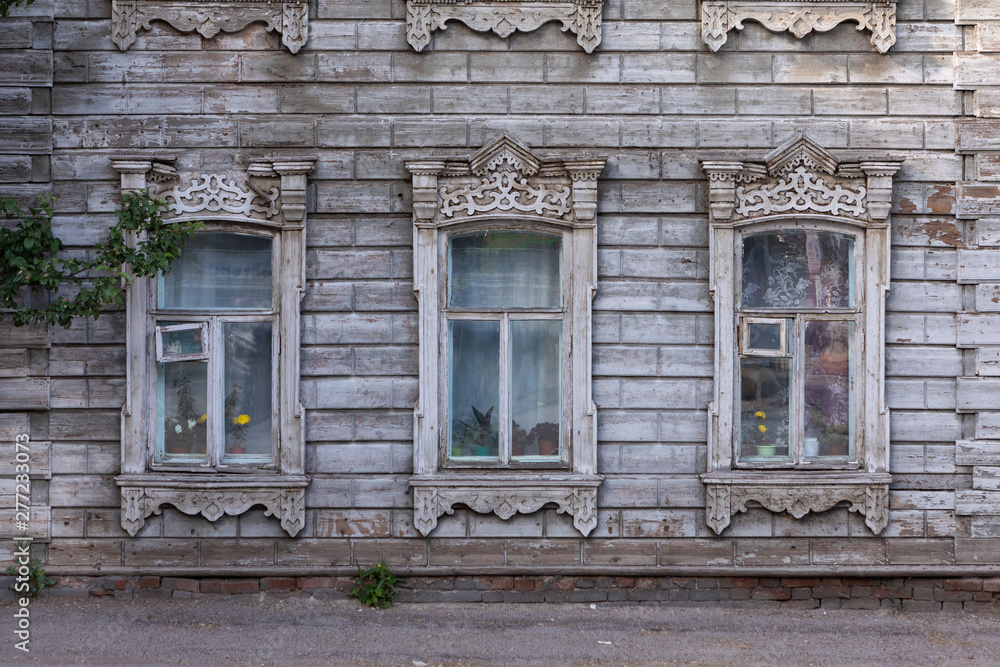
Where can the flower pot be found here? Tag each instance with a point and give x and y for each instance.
(766, 450)
(483, 450)
(517, 449)
(548, 447)
(237, 450)
(838, 449)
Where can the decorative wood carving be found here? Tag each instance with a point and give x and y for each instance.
(800, 17)
(208, 17)
(800, 191)
(576, 496)
(581, 17)
(798, 496)
(800, 183)
(218, 193)
(504, 183)
(284, 498)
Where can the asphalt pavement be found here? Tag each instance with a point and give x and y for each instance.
(287, 629)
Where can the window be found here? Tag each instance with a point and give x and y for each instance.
(800, 249)
(214, 322)
(504, 314)
(798, 314)
(505, 271)
(212, 422)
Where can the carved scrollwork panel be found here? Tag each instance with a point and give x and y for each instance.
(801, 191)
(870, 500)
(800, 17)
(581, 17)
(209, 17)
(431, 502)
(505, 191)
(138, 503)
(218, 193)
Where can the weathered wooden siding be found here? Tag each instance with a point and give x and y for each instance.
(654, 100)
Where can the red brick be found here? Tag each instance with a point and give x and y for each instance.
(743, 582)
(796, 582)
(992, 584)
(502, 584)
(623, 582)
(239, 586)
(564, 584)
(277, 584)
(524, 584)
(645, 583)
(149, 582)
(963, 584)
(211, 586)
(315, 582)
(175, 584)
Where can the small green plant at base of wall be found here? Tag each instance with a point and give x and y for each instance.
(36, 579)
(30, 265)
(376, 585)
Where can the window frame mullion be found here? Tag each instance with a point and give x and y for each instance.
(503, 434)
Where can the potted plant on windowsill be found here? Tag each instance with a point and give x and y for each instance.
(546, 434)
(185, 429)
(475, 439)
(758, 435)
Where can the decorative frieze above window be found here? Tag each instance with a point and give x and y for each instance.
(799, 272)
(212, 423)
(800, 17)
(581, 17)
(505, 272)
(208, 17)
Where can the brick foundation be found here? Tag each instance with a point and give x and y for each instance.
(907, 594)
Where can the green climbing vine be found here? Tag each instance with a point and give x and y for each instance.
(32, 262)
(7, 5)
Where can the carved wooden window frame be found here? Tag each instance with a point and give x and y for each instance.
(503, 17)
(270, 200)
(208, 17)
(501, 185)
(800, 184)
(800, 17)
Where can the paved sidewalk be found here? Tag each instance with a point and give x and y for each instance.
(284, 629)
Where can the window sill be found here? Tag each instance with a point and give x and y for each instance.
(505, 494)
(798, 493)
(213, 496)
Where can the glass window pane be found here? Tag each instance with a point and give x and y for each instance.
(248, 386)
(504, 269)
(828, 355)
(474, 403)
(218, 270)
(798, 269)
(764, 336)
(534, 393)
(764, 413)
(182, 410)
(182, 341)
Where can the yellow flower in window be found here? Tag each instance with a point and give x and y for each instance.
(242, 420)
(202, 419)
(762, 428)
(760, 414)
